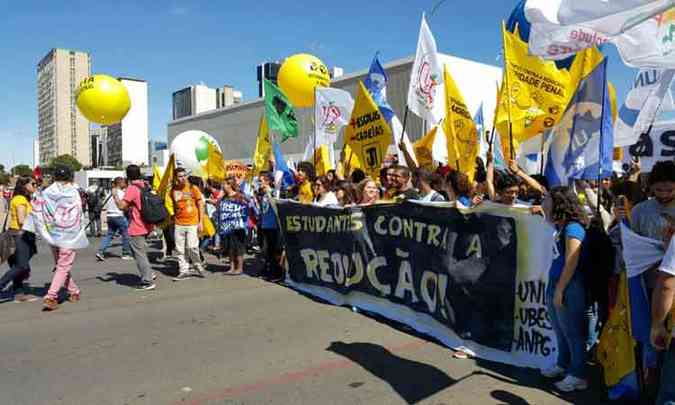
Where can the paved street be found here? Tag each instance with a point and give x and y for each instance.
(229, 340)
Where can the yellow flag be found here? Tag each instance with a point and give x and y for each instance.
(423, 149)
(368, 134)
(165, 185)
(611, 90)
(215, 166)
(616, 345)
(534, 92)
(156, 177)
(263, 148)
(322, 163)
(460, 129)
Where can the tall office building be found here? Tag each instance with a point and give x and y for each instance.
(127, 142)
(99, 141)
(200, 98)
(62, 129)
(269, 71)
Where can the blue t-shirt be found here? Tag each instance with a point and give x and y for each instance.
(572, 230)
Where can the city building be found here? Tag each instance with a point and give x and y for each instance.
(200, 98)
(269, 71)
(36, 152)
(159, 158)
(62, 129)
(127, 141)
(235, 128)
(99, 146)
(153, 147)
(227, 96)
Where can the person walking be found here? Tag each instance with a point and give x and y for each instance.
(138, 229)
(117, 222)
(95, 196)
(189, 210)
(19, 262)
(57, 217)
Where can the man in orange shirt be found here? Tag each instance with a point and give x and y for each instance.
(189, 211)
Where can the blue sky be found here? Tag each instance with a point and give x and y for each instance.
(172, 44)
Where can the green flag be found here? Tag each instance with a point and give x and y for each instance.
(279, 112)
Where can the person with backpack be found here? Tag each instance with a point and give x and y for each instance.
(566, 292)
(95, 200)
(139, 227)
(189, 211)
(117, 222)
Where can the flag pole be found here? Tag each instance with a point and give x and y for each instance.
(541, 156)
(508, 91)
(314, 161)
(405, 122)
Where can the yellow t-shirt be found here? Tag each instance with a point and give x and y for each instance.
(17, 201)
(305, 194)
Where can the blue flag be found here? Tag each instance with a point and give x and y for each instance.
(376, 83)
(282, 174)
(581, 144)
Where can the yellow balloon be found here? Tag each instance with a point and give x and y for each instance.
(103, 99)
(299, 75)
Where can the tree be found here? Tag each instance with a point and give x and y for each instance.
(66, 160)
(22, 170)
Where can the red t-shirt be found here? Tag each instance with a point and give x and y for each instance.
(133, 197)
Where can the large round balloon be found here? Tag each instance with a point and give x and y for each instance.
(191, 149)
(299, 75)
(103, 99)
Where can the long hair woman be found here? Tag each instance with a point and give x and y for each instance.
(368, 192)
(345, 192)
(323, 192)
(566, 294)
(19, 262)
(231, 218)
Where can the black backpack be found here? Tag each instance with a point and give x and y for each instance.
(152, 207)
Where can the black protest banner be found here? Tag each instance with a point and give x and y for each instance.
(459, 269)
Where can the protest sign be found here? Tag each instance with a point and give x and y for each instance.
(472, 278)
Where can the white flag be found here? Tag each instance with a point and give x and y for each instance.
(425, 97)
(639, 28)
(649, 96)
(332, 111)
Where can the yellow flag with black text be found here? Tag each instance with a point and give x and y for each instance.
(215, 165)
(368, 134)
(534, 92)
(460, 129)
(263, 148)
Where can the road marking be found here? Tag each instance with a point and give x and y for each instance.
(291, 377)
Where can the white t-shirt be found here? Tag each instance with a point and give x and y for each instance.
(328, 199)
(668, 262)
(111, 207)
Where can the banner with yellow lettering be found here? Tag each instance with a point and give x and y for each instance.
(460, 129)
(368, 134)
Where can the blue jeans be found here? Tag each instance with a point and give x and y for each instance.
(667, 388)
(569, 325)
(116, 224)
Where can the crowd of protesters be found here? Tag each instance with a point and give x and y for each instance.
(229, 218)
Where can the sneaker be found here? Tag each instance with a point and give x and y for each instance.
(50, 304)
(74, 298)
(146, 287)
(553, 372)
(199, 270)
(127, 257)
(182, 276)
(154, 276)
(99, 257)
(571, 383)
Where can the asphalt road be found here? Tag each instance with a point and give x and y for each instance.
(230, 340)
